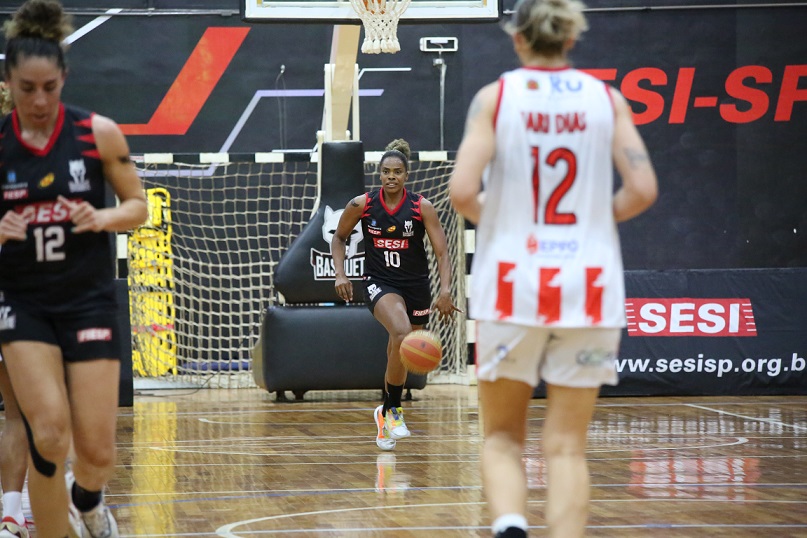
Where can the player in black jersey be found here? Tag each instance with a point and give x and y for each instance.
(13, 444)
(396, 274)
(58, 322)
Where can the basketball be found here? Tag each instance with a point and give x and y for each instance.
(421, 352)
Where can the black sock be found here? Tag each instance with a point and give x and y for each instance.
(85, 500)
(512, 532)
(393, 399)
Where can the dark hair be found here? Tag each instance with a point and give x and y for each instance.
(398, 148)
(37, 29)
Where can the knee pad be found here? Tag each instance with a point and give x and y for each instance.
(42, 466)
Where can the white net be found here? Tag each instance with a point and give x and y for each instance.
(201, 270)
(380, 20)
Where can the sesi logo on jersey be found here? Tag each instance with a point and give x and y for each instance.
(391, 244)
(44, 212)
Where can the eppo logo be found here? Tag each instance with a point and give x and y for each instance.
(690, 317)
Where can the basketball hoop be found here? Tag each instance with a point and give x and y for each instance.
(380, 20)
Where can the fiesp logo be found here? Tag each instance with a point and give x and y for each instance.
(690, 317)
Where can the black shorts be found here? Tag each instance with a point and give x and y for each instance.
(418, 299)
(81, 336)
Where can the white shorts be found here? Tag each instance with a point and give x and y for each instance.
(580, 358)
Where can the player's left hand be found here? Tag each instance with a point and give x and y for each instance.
(85, 217)
(445, 306)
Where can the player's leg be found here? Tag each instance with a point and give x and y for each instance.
(13, 462)
(93, 376)
(391, 312)
(37, 374)
(569, 412)
(578, 362)
(503, 405)
(507, 371)
(93, 388)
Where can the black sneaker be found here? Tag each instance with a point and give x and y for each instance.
(512, 532)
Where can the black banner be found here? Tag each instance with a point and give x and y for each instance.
(714, 333)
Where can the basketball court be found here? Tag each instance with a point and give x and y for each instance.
(207, 450)
(237, 463)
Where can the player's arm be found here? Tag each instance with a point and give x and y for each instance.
(350, 217)
(639, 188)
(120, 172)
(475, 152)
(437, 238)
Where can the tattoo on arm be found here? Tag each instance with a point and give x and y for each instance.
(354, 203)
(636, 157)
(124, 159)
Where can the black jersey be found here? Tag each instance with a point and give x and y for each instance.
(54, 268)
(394, 251)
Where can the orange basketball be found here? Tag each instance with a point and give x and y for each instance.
(421, 352)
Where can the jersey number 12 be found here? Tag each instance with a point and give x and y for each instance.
(48, 242)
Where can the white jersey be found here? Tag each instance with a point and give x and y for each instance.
(547, 250)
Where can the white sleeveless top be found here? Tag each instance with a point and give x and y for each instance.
(547, 251)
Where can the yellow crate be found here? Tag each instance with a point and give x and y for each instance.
(151, 285)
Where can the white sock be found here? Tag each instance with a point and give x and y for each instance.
(509, 520)
(12, 506)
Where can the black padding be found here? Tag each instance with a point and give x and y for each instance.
(44, 467)
(126, 387)
(325, 348)
(296, 276)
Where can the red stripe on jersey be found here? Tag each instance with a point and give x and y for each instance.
(498, 102)
(504, 290)
(593, 295)
(397, 207)
(610, 99)
(86, 122)
(57, 129)
(542, 68)
(92, 154)
(416, 208)
(365, 212)
(548, 296)
(88, 138)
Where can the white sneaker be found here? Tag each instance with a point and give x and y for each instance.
(383, 439)
(99, 523)
(395, 423)
(76, 529)
(9, 528)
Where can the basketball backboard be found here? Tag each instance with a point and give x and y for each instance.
(341, 12)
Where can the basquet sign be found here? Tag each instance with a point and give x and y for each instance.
(714, 332)
(322, 261)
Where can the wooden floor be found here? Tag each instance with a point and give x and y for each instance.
(238, 463)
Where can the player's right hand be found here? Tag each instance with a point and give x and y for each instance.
(13, 226)
(344, 288)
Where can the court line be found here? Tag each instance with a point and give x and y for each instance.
(282, 493)
(207, 450)
(421, 406)
(757, 419)
(226, 531)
